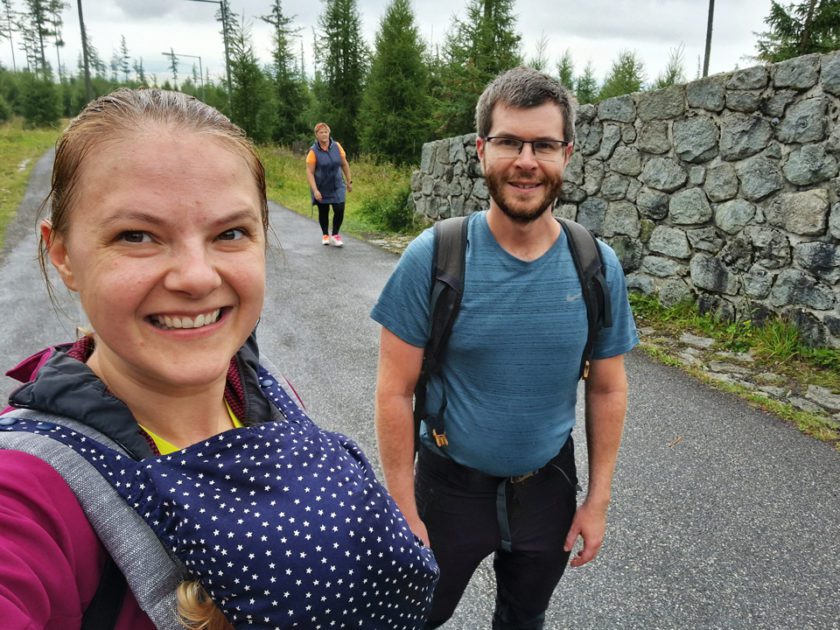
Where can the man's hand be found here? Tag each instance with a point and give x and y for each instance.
(590, 523)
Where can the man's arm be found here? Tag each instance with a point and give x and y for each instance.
(606, 404)
(399, 369)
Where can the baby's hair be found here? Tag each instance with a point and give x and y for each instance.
(196, 611)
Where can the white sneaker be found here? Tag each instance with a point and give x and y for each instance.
(336, 240)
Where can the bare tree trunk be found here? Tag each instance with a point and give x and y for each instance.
(85, 56)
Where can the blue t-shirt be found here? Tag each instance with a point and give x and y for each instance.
(513, 359)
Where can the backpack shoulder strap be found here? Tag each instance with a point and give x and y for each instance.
(149, 570)
(447, 289)
(590, 269)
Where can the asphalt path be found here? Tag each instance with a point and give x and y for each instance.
(722, 516)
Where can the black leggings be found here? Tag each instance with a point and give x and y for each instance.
(324, 217)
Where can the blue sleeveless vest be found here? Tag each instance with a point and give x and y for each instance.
(328, 177)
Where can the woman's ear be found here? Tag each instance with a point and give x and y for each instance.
(57, 252)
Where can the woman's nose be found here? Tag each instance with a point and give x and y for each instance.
(193, 272)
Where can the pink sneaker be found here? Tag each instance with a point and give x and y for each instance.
(336, 240)
(325, 240)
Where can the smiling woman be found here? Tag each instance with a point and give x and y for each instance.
(204, 469)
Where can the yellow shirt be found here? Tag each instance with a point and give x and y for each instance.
(165, 448)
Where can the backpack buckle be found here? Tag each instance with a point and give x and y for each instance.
(440, 438)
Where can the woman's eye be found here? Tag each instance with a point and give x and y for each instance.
(232, 235)
(135, 237)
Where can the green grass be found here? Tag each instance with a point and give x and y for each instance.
(19, 151)
(775, 347)
(372, 182)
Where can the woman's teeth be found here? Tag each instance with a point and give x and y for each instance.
(165, 321)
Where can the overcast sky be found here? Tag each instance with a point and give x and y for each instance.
(593, 30)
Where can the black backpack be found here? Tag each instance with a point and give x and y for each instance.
(450, 245)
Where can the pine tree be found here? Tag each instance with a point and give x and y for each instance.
(673, 72)
(476, 50)
(806, 27)
(342, 64)
(626, 76)
(540, 59)
(252, 103)
(566, 70)
(586, 86)
(125, 59)
(396, 108)
(38, 29)
(290, 89)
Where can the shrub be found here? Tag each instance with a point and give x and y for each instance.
(390, 211)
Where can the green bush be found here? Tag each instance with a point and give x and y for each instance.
(390, 211)
(41, 103)
(5, 110)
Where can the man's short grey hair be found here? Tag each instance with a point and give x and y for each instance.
(524, 88)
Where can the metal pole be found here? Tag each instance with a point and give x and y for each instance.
(709, 37)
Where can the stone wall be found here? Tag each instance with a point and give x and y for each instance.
(724, 190)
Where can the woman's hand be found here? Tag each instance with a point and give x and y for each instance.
(317, 195)
(349, 186)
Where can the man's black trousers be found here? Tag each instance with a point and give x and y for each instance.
(470, 515)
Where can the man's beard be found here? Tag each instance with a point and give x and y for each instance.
(496, 185)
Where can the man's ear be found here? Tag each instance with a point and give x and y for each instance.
(479, 147)
(57, 252)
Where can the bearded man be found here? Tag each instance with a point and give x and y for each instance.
(506, 483)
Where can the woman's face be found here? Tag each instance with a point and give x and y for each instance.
(166, 248)
(323, 135)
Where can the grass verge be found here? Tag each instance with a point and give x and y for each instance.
(775, 348)
(19, 151)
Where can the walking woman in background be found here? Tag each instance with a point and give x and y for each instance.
(155, 473)
(325, 164)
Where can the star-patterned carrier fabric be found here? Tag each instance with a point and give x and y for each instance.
(284, 524)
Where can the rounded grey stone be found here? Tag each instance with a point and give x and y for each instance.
(689, 207)
(758, 282)
(627, 161)
(743, 100)
(696, 139)
(830, 73)
(754, 78)
(653, 137)
(706, 93)
(804, 121)
(652, 203)
(663, 174)
(742, 135)
(619, 108)
(733, 216)
(804, 213)
(721, 182)
(759, 177)
(809, 165)
(621, 218)
(799, 73)
(675, 291)
(669, 241)
(709, 273)
(662, 104)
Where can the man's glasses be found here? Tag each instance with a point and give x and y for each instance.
(544, 150)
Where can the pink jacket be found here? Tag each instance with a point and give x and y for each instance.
(50, 558)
